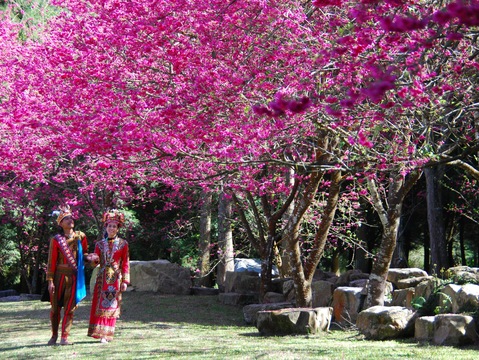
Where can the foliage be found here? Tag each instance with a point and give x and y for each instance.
(124, 95)
(418, 302)
(9, 258)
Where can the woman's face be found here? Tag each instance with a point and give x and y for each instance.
(112, 229)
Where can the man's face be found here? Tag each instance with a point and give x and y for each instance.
(67, 222)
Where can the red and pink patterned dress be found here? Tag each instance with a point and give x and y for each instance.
(106, 302)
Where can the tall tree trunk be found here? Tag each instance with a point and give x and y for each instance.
(399, 259)
(285, 264)
(273, 237)
(335, 262)
(290, 238)
(303, 275)
(365, 236)
(205, 278)
(390, 219)
(427, 252)
(225, 239)
(36, 274)
(461, 243)
(435, 218)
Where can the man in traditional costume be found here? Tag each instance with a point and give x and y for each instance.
(112, 279)
(65, 275)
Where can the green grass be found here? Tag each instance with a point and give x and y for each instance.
(191, 327)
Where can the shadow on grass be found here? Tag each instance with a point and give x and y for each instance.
(143, 307)
(37, 345)
(148, 307)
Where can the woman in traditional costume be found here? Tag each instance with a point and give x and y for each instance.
(112, 279)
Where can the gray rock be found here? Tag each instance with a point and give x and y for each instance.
(242, 282)
(386, 322)
(424, 328)
(294, 321)
(322, 292)
(250, 312)
(346, 304)
(160, 276)
(454, 330)
(395, 274)
(403, 297)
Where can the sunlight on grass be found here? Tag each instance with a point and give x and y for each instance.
(192, 327)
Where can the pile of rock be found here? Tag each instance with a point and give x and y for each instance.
(451, 322)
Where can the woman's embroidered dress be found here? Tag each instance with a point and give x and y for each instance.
(106, 302)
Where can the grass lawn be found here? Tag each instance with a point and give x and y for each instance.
(191, 327)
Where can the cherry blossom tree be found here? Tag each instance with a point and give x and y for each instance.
(190, 93)
(406, 63)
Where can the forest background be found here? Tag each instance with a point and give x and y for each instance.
(309, 134)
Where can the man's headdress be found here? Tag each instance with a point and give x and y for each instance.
(64, 212)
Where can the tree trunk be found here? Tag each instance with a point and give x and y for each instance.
(390, 219)
(225, 240)
(379, 272)
(461, 243)
(427, 252)
(205, 278)
(399, 259)
(290, 239)
(285, 268)
(435, 218)
(303, 275)
(335, 262)
(303, 293)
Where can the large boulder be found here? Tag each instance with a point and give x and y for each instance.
(395, 275)
(386, 322)
(289, 291)
(346, 304)
(242, 282)
(350, 275)
(250, 312)
(252, 265)
(403, 297)
(412, 281)
(425, 288)
(160, 276)
(322, 292)
(294, 321)
(459, 298)
(463, 274)
(454, 330)
(446, 329)
(273, 297)
(424, 328)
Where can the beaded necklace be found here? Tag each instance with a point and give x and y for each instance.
(110, 252)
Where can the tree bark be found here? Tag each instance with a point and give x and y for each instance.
(435, 218)
(205, 278)
(285, 260)
(400, 255)
(390, 219)
(290, 238)
(461, 243)
(225, 239)
(303, 275)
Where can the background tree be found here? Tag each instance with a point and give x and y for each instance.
(137, 95)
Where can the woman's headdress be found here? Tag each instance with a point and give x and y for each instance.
(113, 216)
(64, 212)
